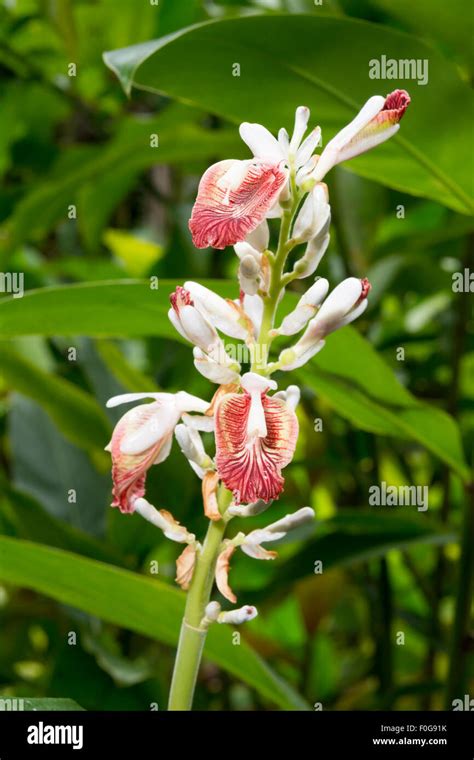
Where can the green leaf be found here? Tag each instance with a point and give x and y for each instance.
(453, 23)
(135, 603)
(431, 427)
(115, 308)
(356, 536)
(30, 521)
(96, 179)
(75, 412)
(195, 65)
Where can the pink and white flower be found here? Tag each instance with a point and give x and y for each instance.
(255, 439)
(233, 199)
(143, 437)
(376, 122)
(346, 302)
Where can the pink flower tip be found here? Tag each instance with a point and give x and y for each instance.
(181, 297)
(397, 102)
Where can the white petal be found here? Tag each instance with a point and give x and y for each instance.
(291, 396)
(369, 110)
(301, 354)
(253, 382)
(301, 124)
(332, 153)
(305, 309)
(259, 238)
(125, 398)
(307, 147)
(186, 402)
(339, 302)
(313, 254)
(292, 521)
(214, 371)
(197, 329)
(261, 142)
(253, 307)
(219, 311)
(174, 319)
(160, 425)
(249, 510)
(245, 249)
(313, 215)
(256, 423)
(204, 424)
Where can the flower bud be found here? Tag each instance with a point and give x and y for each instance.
(237, 617)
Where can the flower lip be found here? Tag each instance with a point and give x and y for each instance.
(231, 203)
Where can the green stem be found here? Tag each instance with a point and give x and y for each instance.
(270, 301)
(193, 633)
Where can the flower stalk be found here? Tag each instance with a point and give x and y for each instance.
(255, 428)
(193, 633)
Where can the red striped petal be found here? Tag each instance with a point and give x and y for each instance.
(129, 470)
(251, 468)
(227, 209)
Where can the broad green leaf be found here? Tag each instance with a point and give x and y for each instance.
(74, 411)
(195, 65)
(452, 23)
(356, 536)
(135, 603)
(431, 427)
(30, 521)
(115, 308)
(61, 476)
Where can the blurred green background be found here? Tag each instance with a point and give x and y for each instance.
(97, 190)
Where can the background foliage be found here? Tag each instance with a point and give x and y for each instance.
(78, 141)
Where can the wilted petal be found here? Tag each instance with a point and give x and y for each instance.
(250, 458)
(233, 199)
(222, 573)
(258, 552)
(210, 483)
(185, 567)
(165, 521)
